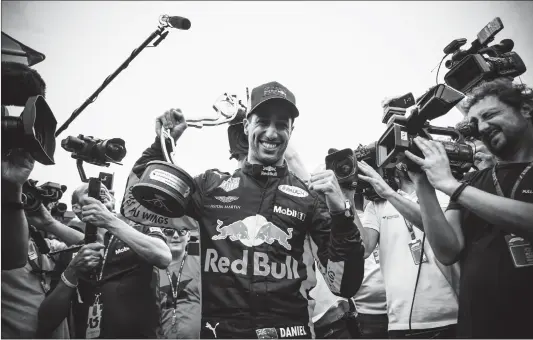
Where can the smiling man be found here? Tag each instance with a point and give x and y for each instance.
(488, 225)
(261, 228)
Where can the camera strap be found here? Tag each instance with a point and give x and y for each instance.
(519, 248)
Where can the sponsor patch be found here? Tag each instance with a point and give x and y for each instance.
(266, 333)
(227, 199)
(390, 217)
(293, 191)
(230, 184)
(222, 206)
(527, 191)
(289, 212)
(292, 332)
(122, 250)
(274, 91)
(269, 171)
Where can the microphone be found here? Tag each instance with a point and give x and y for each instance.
(175, 21)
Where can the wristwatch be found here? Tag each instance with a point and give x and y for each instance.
(348, 211)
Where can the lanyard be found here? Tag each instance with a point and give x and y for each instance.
(409, 226)
(175, 289)
(516, 184)
(105, 256)
(36, 264)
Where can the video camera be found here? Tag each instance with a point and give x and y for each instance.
(480, 62)
(344, 165)
(48, 194)
(401, 131)
(95, 151)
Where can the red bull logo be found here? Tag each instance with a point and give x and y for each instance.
(262, 265)
(253, 231)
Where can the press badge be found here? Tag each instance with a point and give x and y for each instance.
(416, 249)
(521, 251)
(94, 319)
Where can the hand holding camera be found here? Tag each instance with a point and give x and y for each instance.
(17, 166)
(96, 213)
(372, 177)
(435, 164)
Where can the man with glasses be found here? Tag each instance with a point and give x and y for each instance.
(179, 286)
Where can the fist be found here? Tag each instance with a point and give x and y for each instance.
(326, 182)
(89, 257)
(174, 121)
(95, 212)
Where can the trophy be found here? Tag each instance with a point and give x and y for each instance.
(165, 188)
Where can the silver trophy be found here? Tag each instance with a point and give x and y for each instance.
(227, 106)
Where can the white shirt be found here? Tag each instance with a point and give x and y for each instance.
(435, 302)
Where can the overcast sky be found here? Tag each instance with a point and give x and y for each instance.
(340, 59)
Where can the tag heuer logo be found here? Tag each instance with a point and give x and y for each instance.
(293, 191)
(274, 91)
(226, 199)
(230, 184)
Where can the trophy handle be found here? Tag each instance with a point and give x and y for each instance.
(165, 134)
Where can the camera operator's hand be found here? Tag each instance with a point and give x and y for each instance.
(41, 218)
(17, 167)
(325, 182)
(173, 120)
(88, 257)
(95, 212)
(483, 158)
(375, 180)
(435, 164)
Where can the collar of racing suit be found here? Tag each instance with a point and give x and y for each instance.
(262, 171)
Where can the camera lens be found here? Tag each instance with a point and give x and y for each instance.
(343, 168)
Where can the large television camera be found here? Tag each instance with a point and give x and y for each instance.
(343, 163)
(480, 62)
(401, 131)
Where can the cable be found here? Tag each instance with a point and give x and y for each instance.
(440, 64)
(417, 278)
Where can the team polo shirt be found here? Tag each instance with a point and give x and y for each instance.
(435, 302)
(496, 298)
(129, 293)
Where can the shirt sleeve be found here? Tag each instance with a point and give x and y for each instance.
(371, 219)
(338, 250)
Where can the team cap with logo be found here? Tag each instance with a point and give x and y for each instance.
(269, 91)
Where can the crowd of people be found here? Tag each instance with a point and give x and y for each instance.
(286, 252)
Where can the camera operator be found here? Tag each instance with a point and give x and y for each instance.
(488, 224)
(24, 289)
(19, 83)
(262, 294)
(121, 299)
(421, 300)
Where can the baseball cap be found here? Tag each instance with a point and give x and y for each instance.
(268, 91)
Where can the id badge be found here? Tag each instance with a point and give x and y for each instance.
(94, 320)
(415, 246)
(521, 251)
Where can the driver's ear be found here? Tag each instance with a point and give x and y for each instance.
(245, 123)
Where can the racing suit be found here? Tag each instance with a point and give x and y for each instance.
(260, 231)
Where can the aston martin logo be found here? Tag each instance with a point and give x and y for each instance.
(227, 199)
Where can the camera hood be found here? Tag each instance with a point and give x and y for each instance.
(33, 131)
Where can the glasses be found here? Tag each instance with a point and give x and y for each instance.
(170, 231)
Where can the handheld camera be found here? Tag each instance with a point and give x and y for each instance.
(480, 63)
(401, 131)
(48, 194)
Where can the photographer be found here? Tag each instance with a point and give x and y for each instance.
(123, 293)
(253, 282)
(488, 224)
(24, 289)
(421, 299)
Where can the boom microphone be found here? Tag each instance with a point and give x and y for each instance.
(175, 21)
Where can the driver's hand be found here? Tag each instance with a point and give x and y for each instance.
(173, 120)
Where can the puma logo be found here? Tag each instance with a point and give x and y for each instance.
(208, 326)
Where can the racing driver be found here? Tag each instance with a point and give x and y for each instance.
(262, 227)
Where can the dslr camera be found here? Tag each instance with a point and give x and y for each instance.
(481, 62)
(401, 130)
(95, 151)
(48, 194)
